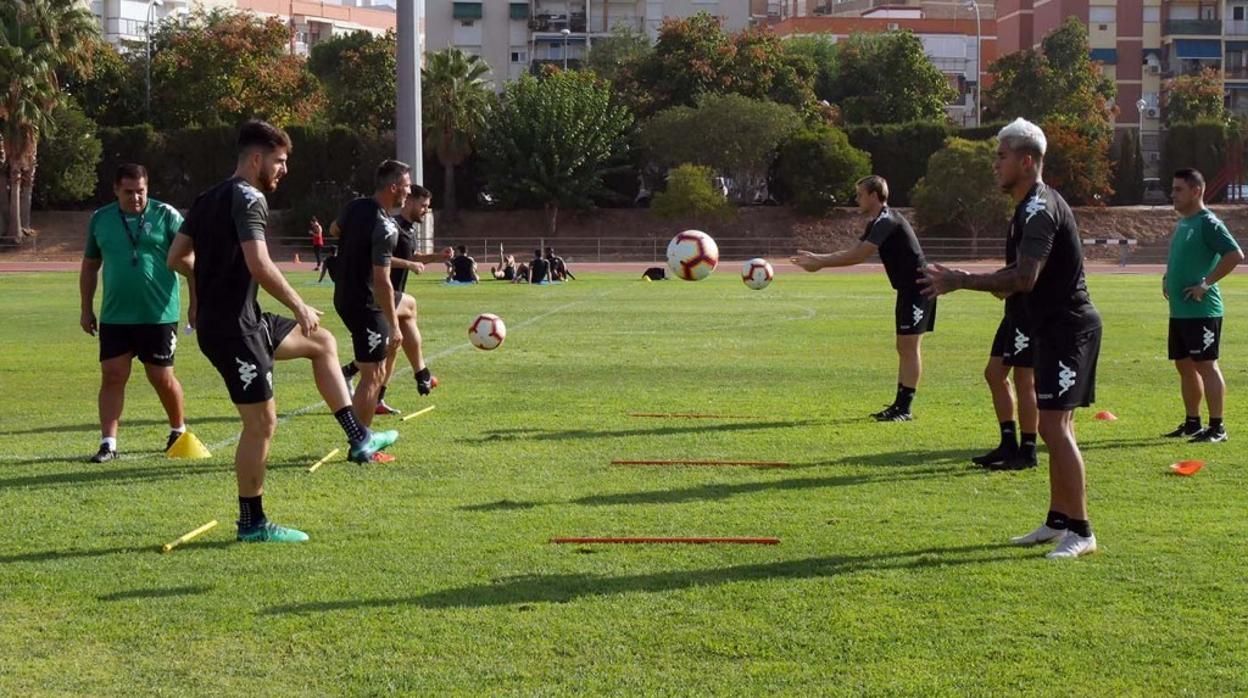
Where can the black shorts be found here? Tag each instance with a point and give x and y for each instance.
(370, 335)
(1065, 368)
(153, 344)
(246, 363)
(915, 313)
(1013, 345)
(1197, 339)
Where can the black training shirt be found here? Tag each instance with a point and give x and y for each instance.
(1049, 234)
(219, 222)
(899, 248)
(461, 268)
(404, 248)
(538, 270)
(368, 238)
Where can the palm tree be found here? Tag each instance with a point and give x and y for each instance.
(455, 100)
(37, 38)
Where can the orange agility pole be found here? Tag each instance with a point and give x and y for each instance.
(687, 415)
(751, 463)
(665, 540)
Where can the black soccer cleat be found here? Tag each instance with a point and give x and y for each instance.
(893, 414)
(424, 381)
(1211, 435)
(996, 456)
(173, 437)
(104, 455)
(1017, 461)
(1185, 430)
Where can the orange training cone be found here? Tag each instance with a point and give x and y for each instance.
(1187, 468)
(1106, 416)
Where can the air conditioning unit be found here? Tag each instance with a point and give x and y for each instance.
(893, 26)
(1152, 69)
(1154, 156)
(1152, 112)
(468, 22)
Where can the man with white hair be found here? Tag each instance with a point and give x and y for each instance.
(1064, 324)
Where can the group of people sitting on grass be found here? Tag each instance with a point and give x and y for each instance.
(550, 268)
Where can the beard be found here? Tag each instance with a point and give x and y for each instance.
(268, 182)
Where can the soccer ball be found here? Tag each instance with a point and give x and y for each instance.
(757, 273)
(487, 331)
(692, 255)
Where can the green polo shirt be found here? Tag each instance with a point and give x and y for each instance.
(139, 287)
(1198, 244)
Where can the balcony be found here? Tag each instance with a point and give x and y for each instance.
(555, 23)
(1193, 27)
(1236, 27)
(1188, 67)
(1238, 72)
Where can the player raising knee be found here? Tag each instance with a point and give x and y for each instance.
(889, 233)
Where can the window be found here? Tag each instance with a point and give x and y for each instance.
(1208, 13)
(519, 56)
(1237, 13)
(1152, 14)
(466, 10)
(1102, 15)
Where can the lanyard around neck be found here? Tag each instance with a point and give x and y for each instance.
(135, 237)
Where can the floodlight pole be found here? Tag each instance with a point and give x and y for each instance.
(407, 122)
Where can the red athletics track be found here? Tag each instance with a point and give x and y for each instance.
(638, 267)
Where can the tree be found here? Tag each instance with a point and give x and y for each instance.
(108, 86)
(733, 135)
(224, 68)
(888, 79)
(1192, 98)
(455, 99)
(961, 190)
(689, 193)
(552, 141)
(821, 52)
(1077, 161)
(357, 73)
(68, 155)
(38, 38)
(611, 54)
(817, 169)
(1059, 79)
(1129, 170)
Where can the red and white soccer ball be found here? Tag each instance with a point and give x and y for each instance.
(757, 273)
(487, 331)
(692, 255)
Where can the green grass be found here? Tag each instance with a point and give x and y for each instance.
(432, 576)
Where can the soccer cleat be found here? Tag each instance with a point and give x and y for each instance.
(996, 456)
(363, 452)
(270, 533)
(104, 455)
(1211, 435)
(1016, 461)
(881, 413)
(425, 383)
(380, 457)
(1072, 546)
(1184, 431)
(383, 409)
(173, 436)
(893, 414)
(1044, 534)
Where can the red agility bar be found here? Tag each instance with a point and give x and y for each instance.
(662, 540)
(752, 463)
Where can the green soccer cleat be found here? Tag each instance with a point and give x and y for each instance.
(363, 453)
(271, 533)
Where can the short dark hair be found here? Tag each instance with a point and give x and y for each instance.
(129, 170)
(262, 134)
(462, 249)
(875, 184)
(1192, 176)
(390, 172)
(420, 192)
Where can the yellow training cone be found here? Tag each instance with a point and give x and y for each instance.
(188, 446)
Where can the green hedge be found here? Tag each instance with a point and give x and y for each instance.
(899, 152)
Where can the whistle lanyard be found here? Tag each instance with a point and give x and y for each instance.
(134, 238)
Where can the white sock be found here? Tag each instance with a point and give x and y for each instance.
(110, 441)
(179, 429)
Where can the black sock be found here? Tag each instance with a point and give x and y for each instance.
(1057, 521)
(1080, 527)
(1215, 422)
(356, 433)
(1008, 440)
(1028, 445)
(381, 396)
(905, 396)
(350, 370)
(1193, 423)
(250, 512)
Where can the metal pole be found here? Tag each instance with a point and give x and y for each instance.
(979, 67)
(408, 130)
(147, 82)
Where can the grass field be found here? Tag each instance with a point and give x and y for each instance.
(433, 576)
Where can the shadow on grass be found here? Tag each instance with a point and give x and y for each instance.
(95, 426)
(54, 555)
(104, 474)
(529, 434)
(563, 588)
(154, 593)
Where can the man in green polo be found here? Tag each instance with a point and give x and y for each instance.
(1202, 252)
(139, 315)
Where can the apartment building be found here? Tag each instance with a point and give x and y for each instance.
(780, 10)
(951, 44)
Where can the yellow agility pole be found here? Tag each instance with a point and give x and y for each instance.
(418, 413)
(206, 527)
(323, 461)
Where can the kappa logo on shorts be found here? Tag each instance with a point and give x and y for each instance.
(1021, 341)
(1065, 378)
(246, 372)
(373, 340)
(1208, 337)
(918, 314)
(269, 377)
(173, 346)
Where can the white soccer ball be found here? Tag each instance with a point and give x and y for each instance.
(757, 273)
(692, 255)
(487, 331)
